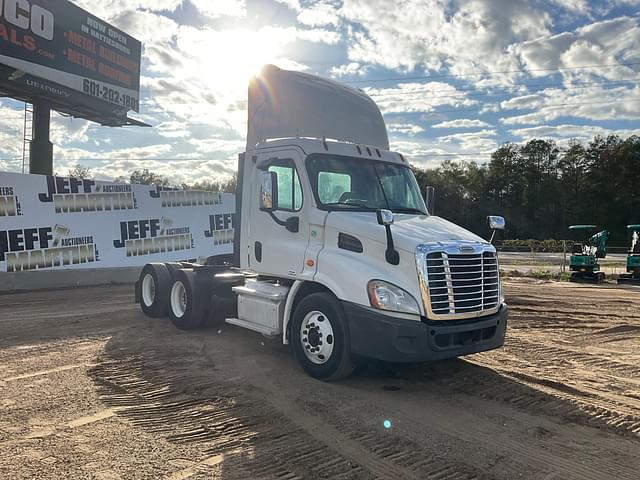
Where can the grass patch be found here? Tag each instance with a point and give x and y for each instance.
(539, 274)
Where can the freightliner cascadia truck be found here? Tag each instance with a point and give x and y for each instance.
(334, 250)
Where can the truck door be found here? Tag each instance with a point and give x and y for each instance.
(275, 248)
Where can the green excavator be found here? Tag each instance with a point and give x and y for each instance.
(585, 254)
(633, 257)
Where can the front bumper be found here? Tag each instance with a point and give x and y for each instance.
(383, 337)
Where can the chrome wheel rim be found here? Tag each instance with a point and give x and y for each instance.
(148, 290)
(178, 299)
(316, 337)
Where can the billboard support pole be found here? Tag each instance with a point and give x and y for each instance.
(41, 152)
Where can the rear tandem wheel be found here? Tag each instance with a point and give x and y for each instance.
(189, 298)
(152, 290)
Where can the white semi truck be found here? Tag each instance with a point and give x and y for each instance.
(334, 250)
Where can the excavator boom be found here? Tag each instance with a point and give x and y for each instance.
(599, 241)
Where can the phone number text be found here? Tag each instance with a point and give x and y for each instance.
(110, 95)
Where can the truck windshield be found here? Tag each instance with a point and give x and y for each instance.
(356, 184)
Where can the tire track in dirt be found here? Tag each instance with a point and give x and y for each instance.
(250, 434)
(577, 379)
(564, 323)
(581, 402)
(550, 355)
(543, 398)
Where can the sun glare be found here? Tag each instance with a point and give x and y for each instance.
(243, 55)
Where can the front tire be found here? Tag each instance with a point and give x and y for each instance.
(320, 338)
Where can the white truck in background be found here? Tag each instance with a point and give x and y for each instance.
(334, 250)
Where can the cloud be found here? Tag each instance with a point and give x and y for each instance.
(319, 14)
(465, 36)
(489, 57)
(11, 135)
(580, 7)
(110, 163)
(291, 4)
(592, 103)
(349, 70)
(218, 145)
(318, 36)
(173, 129)
(599, 49)
(565, 133)
(150, 28)
(462, 123)
(523, 102)
(221, 8)
(409, 129)
(418, 97)
(422, 154)
(488, 42)
(109, 9)
(431, 153)
(481, 141)
(66, 131)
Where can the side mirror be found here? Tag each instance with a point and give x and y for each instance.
(430, 199)
(496, 223)
(268, 191)
(385, 217)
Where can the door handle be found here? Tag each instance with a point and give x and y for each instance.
(257, 251)
(292, 224)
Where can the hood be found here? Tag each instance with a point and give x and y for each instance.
(408, 231)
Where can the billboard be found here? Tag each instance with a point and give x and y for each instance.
(54, 223)
(57, 51)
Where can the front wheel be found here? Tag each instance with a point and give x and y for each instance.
(320, 338)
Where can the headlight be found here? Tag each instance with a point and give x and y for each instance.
(385, 296)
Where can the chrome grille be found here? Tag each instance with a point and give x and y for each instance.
(459, 285)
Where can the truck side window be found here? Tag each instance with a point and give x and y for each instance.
(332, 185)
(289, 188)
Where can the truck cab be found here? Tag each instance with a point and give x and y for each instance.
(335, 250)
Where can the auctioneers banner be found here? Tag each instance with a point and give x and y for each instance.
(51, 222)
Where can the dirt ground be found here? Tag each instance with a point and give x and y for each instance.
(90, 388)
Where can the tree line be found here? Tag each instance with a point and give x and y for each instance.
(541, 188)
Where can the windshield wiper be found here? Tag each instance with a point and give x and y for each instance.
(408, 210)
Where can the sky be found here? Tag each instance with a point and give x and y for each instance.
(455, 79)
